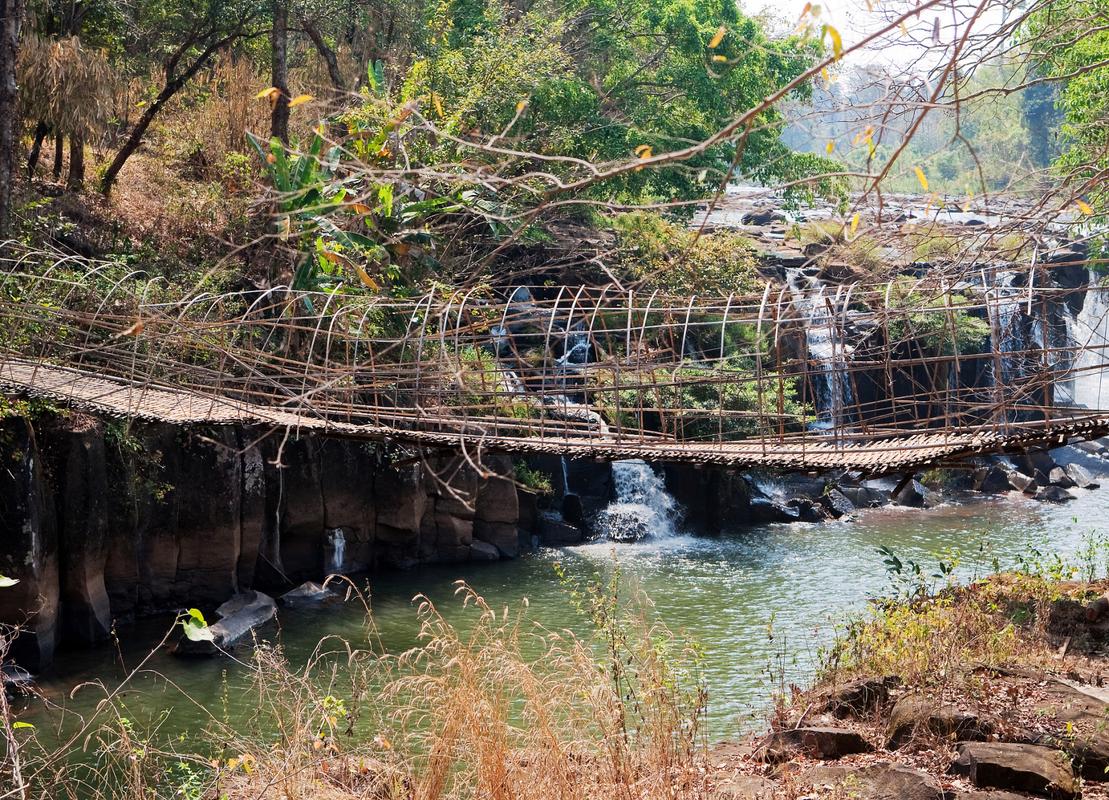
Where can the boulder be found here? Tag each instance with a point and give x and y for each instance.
(881, 781)
(1096, 447)
(554, 531)
(1080, 713)
(860, 697)
(1042, 771)
(994, 481)
(1053, 494)
(914, 495)
(16, 680)
(1020, 482)
(238, 616)
(1081, 477)
(915, 713)
(307, 593)
(808, 510)
(767, 509)
(815, 742)
(1059, 477)
(483, 551)
(837, 503)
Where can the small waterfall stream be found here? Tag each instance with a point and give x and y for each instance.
(1089, 330)
(335, 551)
(643, 507)
(834, 397)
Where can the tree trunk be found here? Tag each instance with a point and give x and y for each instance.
(59, 146)
(76, 179)
(36, 148)
(11, 17)
(279, 69)
(326, 53)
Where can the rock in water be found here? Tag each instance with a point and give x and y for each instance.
(483, 551)
(238, 616)
(307, 592)
(1059, 477)
(1017, 767)
(1081, 476)
(837, 503)
(1020, 482)
(1054, 494)
(914, 495)
(994, 481)
(554, 531)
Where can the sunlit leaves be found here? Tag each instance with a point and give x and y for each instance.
(920, 176)
(718, 37)
(195, 627)
(300, 100)
(837, 41)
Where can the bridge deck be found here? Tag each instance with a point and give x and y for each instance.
(896, 451)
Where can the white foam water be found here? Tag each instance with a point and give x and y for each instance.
(643, 507)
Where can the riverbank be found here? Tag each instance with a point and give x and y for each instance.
(992, 690)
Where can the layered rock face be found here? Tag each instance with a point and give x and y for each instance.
(101, 523)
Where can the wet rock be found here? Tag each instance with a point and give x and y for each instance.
(915, 714)
(1081, 477)
(994, 481)
(554, 531)
(238, 616)
(1035, 462)
(1095, 447)
(1042, 771)
(483, 551)
(860, 697)
(914, 495)
(1020, 482)
(837, 504)
(766, 509)
(882, 781)
(307, 593)
(1053, 494)
(815, 742)
(16, 680)
(807, 509)
(1059, 477)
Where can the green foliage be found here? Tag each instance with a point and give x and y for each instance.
(667, 257)
(195, 627)
(1071, 39)
(941, 327)
(539, 482)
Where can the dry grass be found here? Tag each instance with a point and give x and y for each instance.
(503, 709)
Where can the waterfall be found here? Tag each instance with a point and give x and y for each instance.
(834, 396)
(642, 508)
(336, 551)
(1090, 332)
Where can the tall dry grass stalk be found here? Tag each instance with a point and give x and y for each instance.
(496, 707)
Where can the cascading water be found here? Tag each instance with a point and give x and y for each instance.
(642, 508)
(834, 396)
(336, 551)
(1090, 332)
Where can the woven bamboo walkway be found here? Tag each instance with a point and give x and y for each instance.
(896, 452)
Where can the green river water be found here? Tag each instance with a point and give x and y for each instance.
(755, 598)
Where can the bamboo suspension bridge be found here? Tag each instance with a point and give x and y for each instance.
(876, 379)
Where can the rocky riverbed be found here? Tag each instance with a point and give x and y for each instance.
(1012, 705)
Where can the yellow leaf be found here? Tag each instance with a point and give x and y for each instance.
(719, 58)
(718, 37)
(904, 30)
(268, 92)
(327, 255)
(804, 12)
(854, 223)
(271, 158)
(643, 151)
(283, 227)
(521, 106)
(920, 176)
(837, 41)
(1084, 207)
(140, 104)
(367, 281)
(136, 329)
(824, 74)
(361, 208)
(300, 100)
(438, 105)
(830, 146)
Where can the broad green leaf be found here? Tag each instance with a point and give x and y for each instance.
(5, 581)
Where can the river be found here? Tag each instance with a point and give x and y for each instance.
(761, 601)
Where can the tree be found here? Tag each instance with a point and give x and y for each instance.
(11, 17)
(187, 35)
(279, 70)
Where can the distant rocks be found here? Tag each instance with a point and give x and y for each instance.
(238, 616)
